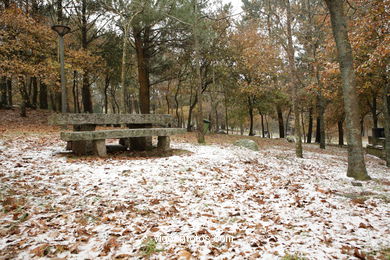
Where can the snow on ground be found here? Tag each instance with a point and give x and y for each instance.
(220, 202)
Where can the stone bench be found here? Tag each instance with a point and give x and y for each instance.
(85, 139)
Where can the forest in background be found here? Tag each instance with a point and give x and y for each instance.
(273, 68)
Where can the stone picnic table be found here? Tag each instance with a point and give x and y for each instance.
(85, 139)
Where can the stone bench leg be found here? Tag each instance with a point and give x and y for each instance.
(81, 147)
(99, 148)
(69, 146)
(164, 143)
(125, 142)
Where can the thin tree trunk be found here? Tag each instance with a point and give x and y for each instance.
(288, 120)
(43, 104)
(341, 132)
(262, 125)
(386, 115)
(374, 111)
(250, 111)
(53, 101)
(303, 128)
(9, 92)
(190, 112)
(201, 130)
(86, 94)
(3, 89)
(125, 106)
(356, 165)
(321, 107)
(226, 114)
(318, 131)
(280, 121)
(74, 92)
(362, 125)
(86, 88)
(310, 127)
(291, 61)
(106, 86)
(177, 104)
(34, 98)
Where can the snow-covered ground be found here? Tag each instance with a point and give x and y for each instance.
(213, 202)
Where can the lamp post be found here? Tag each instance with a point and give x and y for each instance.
(62, 30)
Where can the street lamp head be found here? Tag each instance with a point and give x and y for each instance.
(62, 30)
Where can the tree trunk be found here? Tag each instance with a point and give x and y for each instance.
(125, 106)
(179, 121)
(341, 132)
(250, 111)
(262, 125)
(226, 113)
(386, 115)
(280, 121)
(303, 127)
(190, 111)
(86, 94)
(23, 112)
(266, 123)
(310, 127)
(373, 111)
(3, 90)
(321, 107)
(362, 125)
(75, 91)
(106, 86)
(9, 92)
(293, 76)
(143, 70)
(34, 98)
(318, 131)
(201, 130)
(86, 88)
(43, 104)
(356, 165)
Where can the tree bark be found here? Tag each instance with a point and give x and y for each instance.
(179, 121)
(356, 165)
(386, 115)
(318, 130)
(9, 92)
(226, 113)
(3, 90)
(106, 86)
(141, 42)
(291, 61)
(321, 107)
(374, 111)
(250, 111)
(34, 97)
(310, 127)
(86, 94)
(262, 125)
(190, 111)
(280, 121)
(43, 104)
(341, 132)
(303, 127)
(86, 88)
(198, 76)
(125, 106)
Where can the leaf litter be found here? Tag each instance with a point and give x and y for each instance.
(269, 203)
